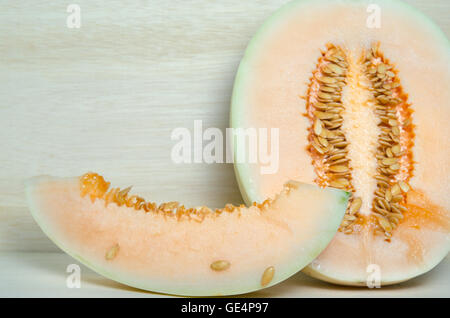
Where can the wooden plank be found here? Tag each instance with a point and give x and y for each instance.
(44, 275)
(107, 96)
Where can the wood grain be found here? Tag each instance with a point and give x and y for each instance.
(26, 274)
(106, 97)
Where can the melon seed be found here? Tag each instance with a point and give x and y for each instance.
(323, 115)
(336, 157)
(388, 195)
(396, 149)
(318, 127)
(317, 147)
(112, 252)
(384, 223)
(356, 205)
(340, 161)
(389, 153)
(321, 106)
(336, 69)
(323, 141)
(267, 276)
(395, 190)
(400, 207)
(338, 168)
(124, 192)
(390, 74)
(327, 80)
(381, 68)
(340, 183)
(393, 122)
(404, 186)
(383, 203)
(397, 198)
(389, 161)
(380, 210)
(396, 131)
(219, 266)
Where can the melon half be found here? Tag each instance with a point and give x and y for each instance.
(362, 103)
(193, 252)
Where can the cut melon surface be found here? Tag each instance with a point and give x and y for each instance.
(192, 252)
(360, 108)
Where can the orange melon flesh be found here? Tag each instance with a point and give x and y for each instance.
(270, 92)
(173, 253)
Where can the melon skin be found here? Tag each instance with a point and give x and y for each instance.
(266, 86)
(166, 255)
(327, 271)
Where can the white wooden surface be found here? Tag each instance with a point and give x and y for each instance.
(106, 97)
(29, 274)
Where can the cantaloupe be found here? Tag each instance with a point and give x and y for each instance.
(362, 104)
(174, 250)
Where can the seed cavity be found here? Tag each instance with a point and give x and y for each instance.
(267, 276)
(95, 186)
(112, 252)
(395, 117)
(220, 265)
(328, 143)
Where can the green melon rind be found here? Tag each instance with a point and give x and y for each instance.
(283, 271)
(362, 281)
(242, 170)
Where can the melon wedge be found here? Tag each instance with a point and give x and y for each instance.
(194, 252)
(359, 107)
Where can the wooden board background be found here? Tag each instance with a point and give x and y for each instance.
(106, 97)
